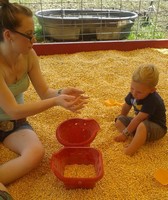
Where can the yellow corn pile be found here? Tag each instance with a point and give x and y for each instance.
(79, 171)
(103, 75)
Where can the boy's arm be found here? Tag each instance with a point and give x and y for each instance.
(125, 109)
(141, 116)
(131, 127)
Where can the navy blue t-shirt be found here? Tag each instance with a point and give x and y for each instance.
(153, 105)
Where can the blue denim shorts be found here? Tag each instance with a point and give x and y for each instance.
(5, 195)
(25, 125)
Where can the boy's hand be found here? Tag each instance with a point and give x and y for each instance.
(120, 138)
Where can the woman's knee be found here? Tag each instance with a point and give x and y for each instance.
(34, 155)
(39, 151)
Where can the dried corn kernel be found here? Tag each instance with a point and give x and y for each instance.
(79, 171)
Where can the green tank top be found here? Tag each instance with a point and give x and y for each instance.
(17, 89)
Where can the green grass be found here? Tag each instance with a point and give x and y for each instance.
(147, 32)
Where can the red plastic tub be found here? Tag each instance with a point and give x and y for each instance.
(77, 155)
(77, 132)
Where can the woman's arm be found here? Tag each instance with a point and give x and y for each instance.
(40, 84)
(37, 79)
(49, 96)
(17, 111)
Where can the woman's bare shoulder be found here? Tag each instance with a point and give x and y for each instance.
(31, 58)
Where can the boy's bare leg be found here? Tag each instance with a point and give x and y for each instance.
(137, 141)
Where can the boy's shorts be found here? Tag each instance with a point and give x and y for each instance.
(5, 195)
(154, 131)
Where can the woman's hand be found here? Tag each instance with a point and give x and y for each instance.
(70, 102)
(73, 99)
(72, 91)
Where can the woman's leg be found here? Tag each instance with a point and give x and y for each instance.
(25, 143)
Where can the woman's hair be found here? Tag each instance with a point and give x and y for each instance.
(146, 74)
(9, 18)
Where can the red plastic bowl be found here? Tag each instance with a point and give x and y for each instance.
(77, 132)
(77, 155)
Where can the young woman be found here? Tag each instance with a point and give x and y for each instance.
(19, 65)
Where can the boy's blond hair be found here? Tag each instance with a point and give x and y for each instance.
(146, 74)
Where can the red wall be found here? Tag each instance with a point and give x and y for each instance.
(73, 47)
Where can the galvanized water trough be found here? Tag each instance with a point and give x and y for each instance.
(98, 24)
